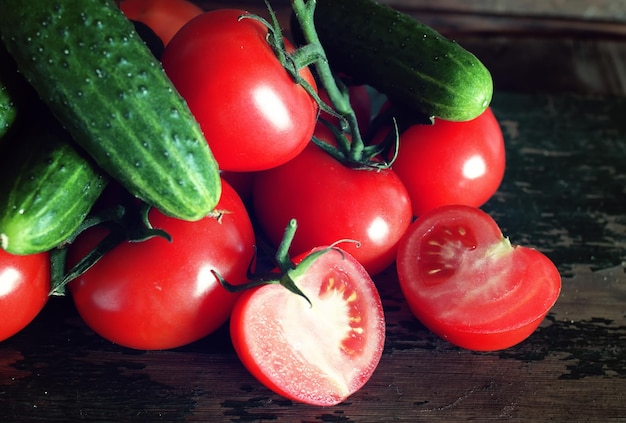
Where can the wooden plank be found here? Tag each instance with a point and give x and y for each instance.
(531, 17)
(564, 193)
(602, 10)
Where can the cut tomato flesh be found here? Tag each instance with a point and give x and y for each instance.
(317, 353)
(466, 282)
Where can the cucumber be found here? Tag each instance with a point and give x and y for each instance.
(414, 65)
(16, 97)
(91, 68)
(48, 188)
(15, 94)
(8, 111)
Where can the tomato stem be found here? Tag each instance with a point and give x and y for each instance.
(282, 253)
(291, 62)
(126, 222)
(337, 91)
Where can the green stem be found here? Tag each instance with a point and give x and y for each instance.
(337, 91)
(126, 222)
(282, 253)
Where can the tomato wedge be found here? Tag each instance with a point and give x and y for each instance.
(318, 353)
(466, 282)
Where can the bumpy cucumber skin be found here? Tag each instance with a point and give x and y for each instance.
(88, 64)
(48, 189)
(8, 112)
(410, 62)
(9, 89)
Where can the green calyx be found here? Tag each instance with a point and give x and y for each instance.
(288, 272)
(126, 222)
(351, 148)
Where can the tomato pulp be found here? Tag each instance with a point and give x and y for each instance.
(318, 353)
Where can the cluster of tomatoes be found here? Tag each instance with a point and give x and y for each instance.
(460, 276)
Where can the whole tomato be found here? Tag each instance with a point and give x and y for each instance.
(253, 114)
(331, 201)
(24, 288)
(157, 294)
(360, 102)
(451, 162)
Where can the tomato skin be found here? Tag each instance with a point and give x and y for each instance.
(360, 102)
(24, 288)
(253, 115)
(465, 282)
(241, 182)
(164, 17)
(330, 202)
(276, 333)
(451, 162)
(159, 295)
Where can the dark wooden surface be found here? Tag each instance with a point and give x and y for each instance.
(564, 193)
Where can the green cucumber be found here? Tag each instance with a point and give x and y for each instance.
(101, 81)
(15, 94)
(414, 65)
(8, 111)
(49, 186)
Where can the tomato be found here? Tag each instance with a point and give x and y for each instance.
(359, 101)
(451, 162)
(318, 353)
(466, 282)
(158, 294)
(242, 182)
(253, 114)
(331, 201)
(24, 288)
(164, 17)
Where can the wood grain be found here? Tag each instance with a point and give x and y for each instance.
(561, 103)
(563, 193)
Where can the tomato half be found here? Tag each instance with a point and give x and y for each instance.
(318, 353)
(164, 17)
(158, 294)
(466, 282)
(451, 162)
(253, 114)
(24, 288)
(331, 201)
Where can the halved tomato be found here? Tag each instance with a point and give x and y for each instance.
(319, 352)
(466, 282)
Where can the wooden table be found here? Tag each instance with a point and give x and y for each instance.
(564, 193)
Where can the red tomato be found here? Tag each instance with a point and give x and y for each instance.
(451, 162)
(361, 105)
(159, 295)
(253, 114)
(164, 17)
(331, 202)
(466, 282)
(24, 288)
(319, 353)
(242, 182)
